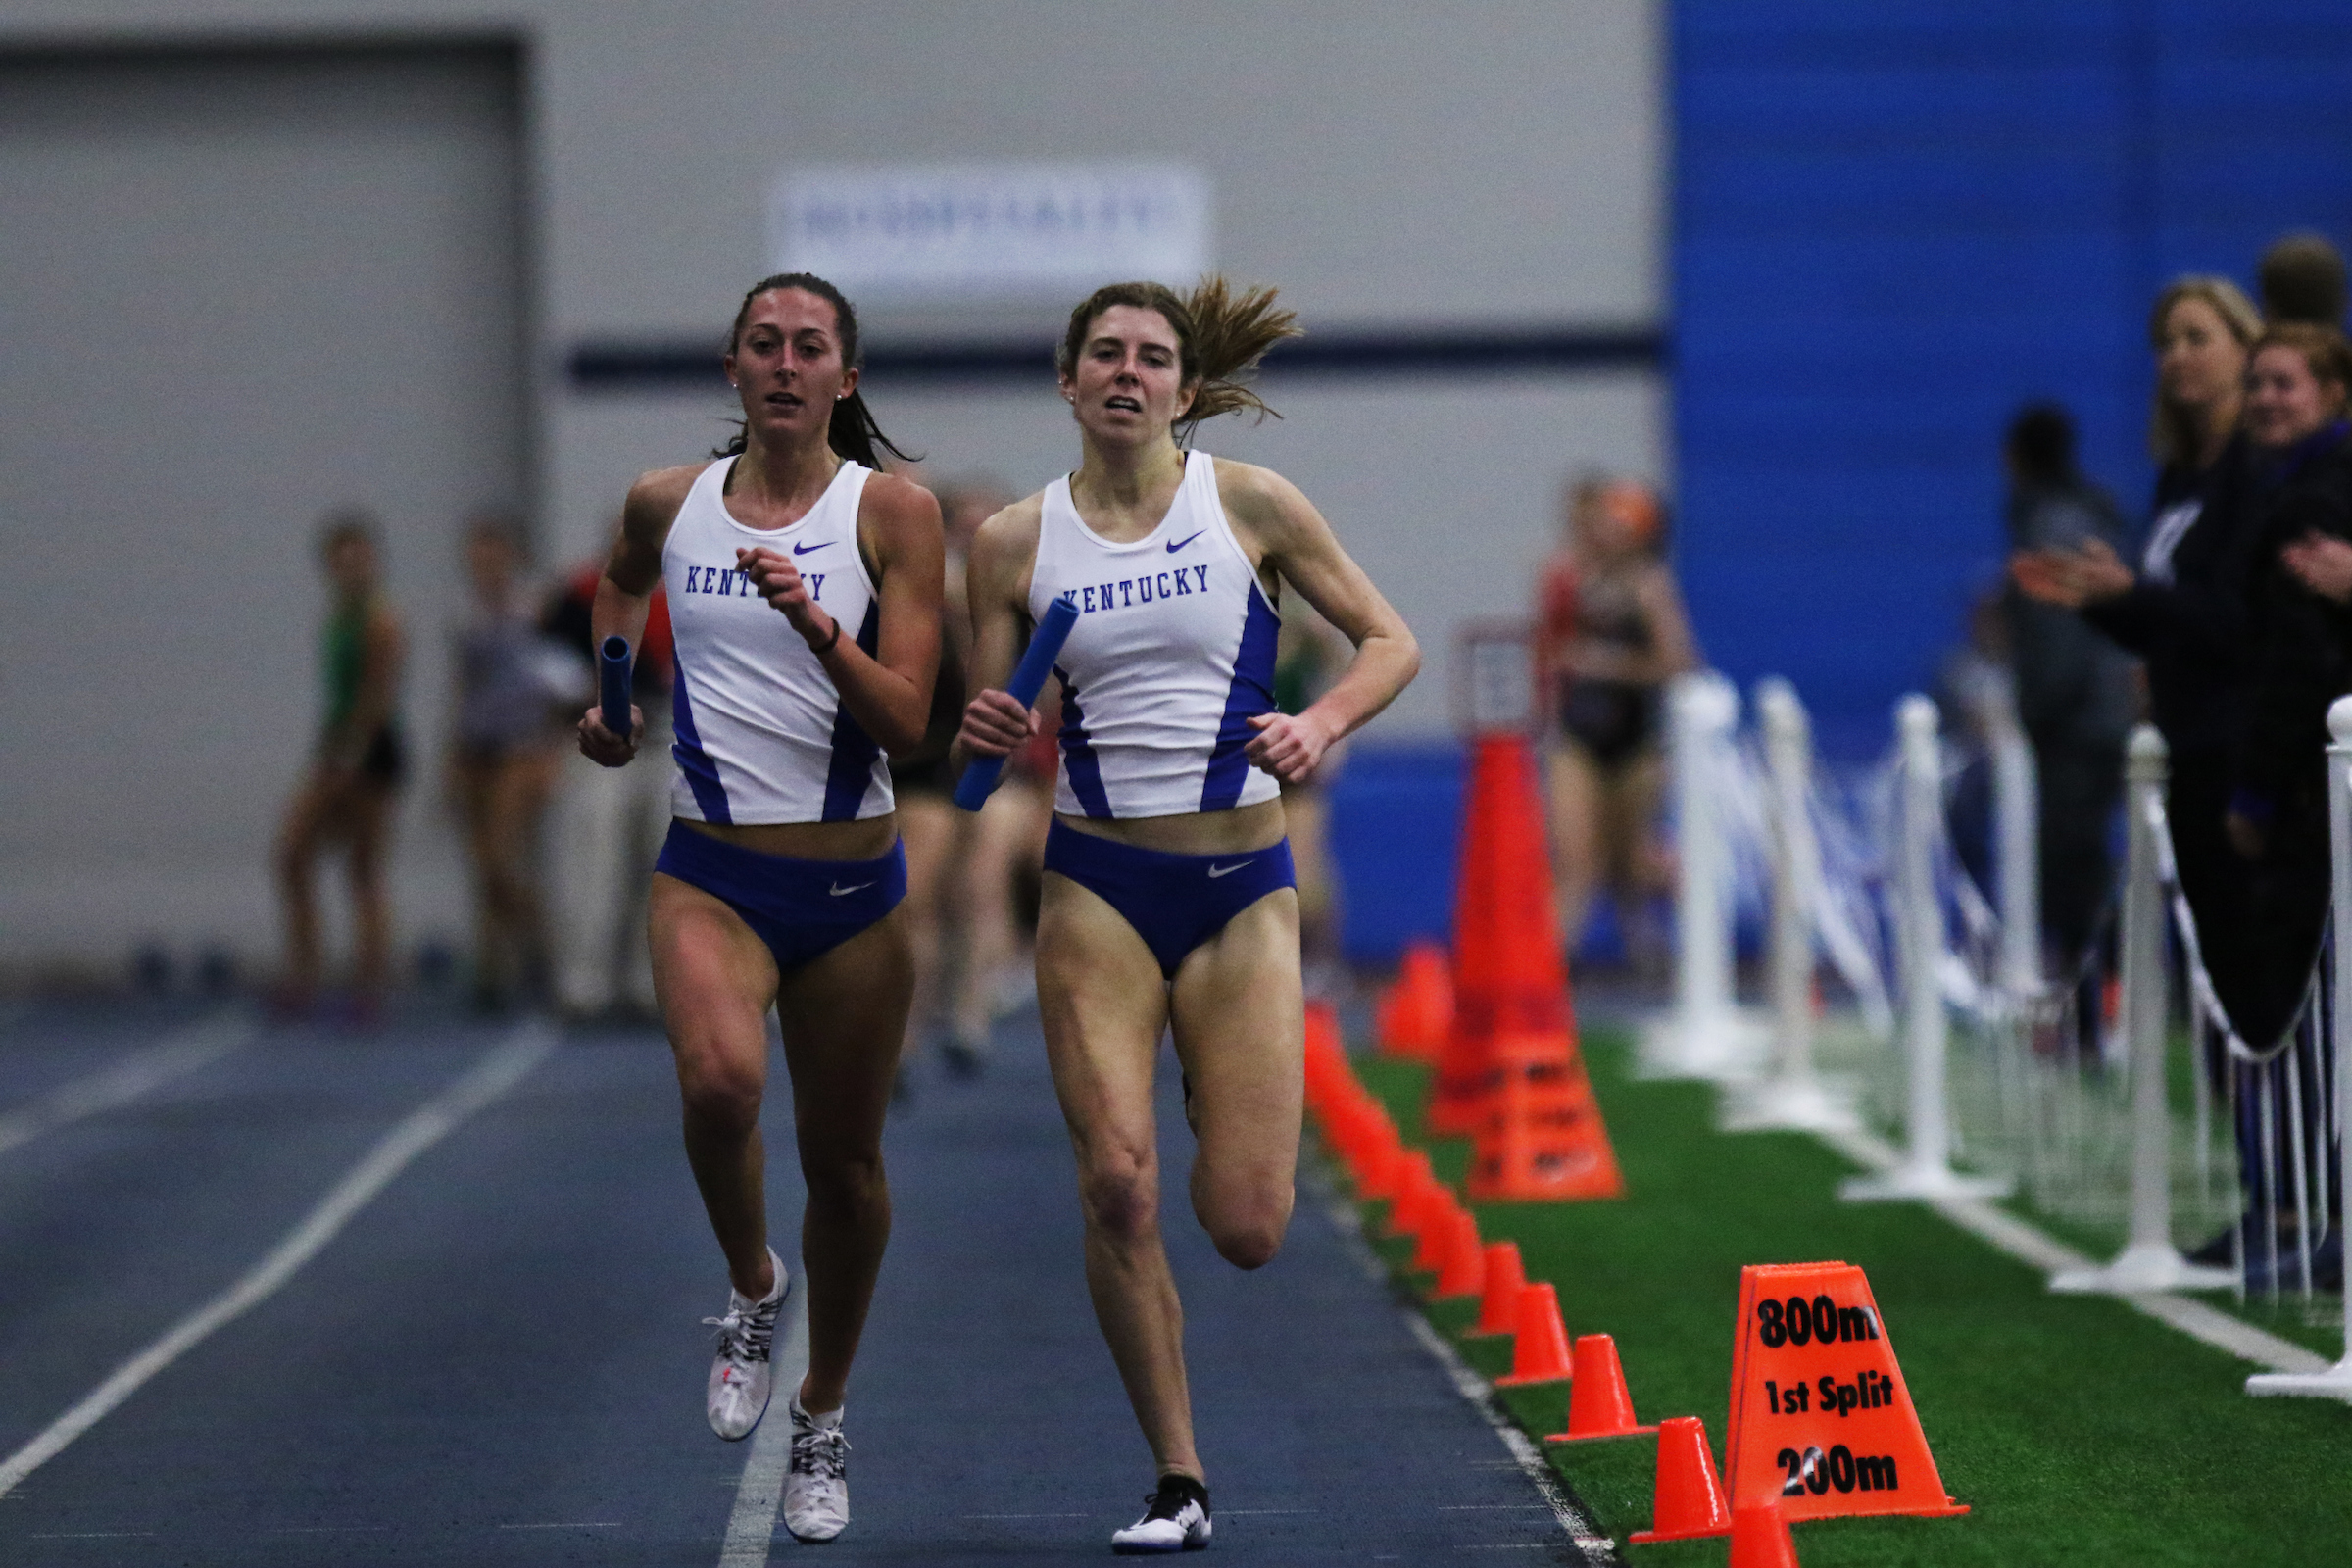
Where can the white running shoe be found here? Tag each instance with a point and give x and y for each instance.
(741, 1377)
(816, 1484)
(1175, 1519)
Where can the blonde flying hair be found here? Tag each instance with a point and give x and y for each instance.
(2171, 428)
(1220, 337)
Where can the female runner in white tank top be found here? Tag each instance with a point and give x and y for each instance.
(805, 601)
(1168, 895)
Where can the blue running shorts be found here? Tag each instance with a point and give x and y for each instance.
(1174, 902)
(800, 909)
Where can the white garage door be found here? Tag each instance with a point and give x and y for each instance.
(235, 290)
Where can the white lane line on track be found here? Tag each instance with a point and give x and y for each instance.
(751, 1527)
(491, 1077)
(2035, 1249)
(1591, 1543)
(139, 1073)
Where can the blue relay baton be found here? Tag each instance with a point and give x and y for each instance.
(613, 684)
(1028, 679)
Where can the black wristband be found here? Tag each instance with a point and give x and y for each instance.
(829, 642)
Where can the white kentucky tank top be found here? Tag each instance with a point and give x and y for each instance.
(761, 734)
(1171, 656)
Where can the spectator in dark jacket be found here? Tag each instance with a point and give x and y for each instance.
(2075, 694)
(2302, 655)
(2183, 609)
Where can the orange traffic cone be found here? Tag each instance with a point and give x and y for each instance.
(1433, 1243)
(1499, 1302)
(1382, 1166)
(1760, 1538)
(1541, 1137)
(1822, 1424)
(1540, 1346)
(1417, 1009)
(1465, 1269)
(1599, 1405)
(1510, 974)
(1416, 1190)
(1687, 1501)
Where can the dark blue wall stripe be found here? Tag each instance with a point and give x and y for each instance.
(692, 366)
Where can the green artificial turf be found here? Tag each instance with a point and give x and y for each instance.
(2081, 1431)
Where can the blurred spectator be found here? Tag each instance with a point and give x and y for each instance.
(1610, 633)
(347, 793)
(2184, 611)
(613, 821)
(505, 746)
(2303, 280)
(2074, 688)
(2302, 656)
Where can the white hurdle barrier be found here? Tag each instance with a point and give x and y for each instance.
(1790, 1096)
(1925, 1171)
(1704, 1036)
(2335, 1382)
(2149, 1261)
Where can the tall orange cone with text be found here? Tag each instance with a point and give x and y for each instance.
(1822, 1424)
(1415, 1012)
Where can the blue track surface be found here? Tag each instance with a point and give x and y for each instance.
(500, 1360)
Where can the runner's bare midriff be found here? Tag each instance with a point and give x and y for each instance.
(1235, 832)
(864, 840)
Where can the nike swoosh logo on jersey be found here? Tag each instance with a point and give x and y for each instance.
(802, 550)
(1226, 870)
(840, 892)
(1186, 540)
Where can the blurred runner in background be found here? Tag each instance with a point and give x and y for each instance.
(347, 793)
(1610, 633)
(503, 751)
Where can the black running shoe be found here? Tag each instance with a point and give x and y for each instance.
(1175, 1519)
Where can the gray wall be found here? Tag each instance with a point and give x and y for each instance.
(1476, 164)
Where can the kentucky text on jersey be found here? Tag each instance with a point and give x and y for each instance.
(1171, 656)
(1138, 590)
(730, 580)
(762, 732)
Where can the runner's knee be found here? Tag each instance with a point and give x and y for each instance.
(720, 1094)
(845, 1182)
(1247, 1228)
(1121, 1195)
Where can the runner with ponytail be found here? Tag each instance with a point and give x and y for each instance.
(804, 590)
(1169, 898)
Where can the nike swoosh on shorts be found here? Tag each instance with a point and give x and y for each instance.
(1186, 540)
(839, 891)
(1226, 870)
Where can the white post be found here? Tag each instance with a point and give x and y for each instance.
(2017, 827)
(2149, 1261)
(1925, 1171)
(2337, 1382)
(1699, 1039)
(1791, 1097)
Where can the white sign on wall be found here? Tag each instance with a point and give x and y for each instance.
(967, 231)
